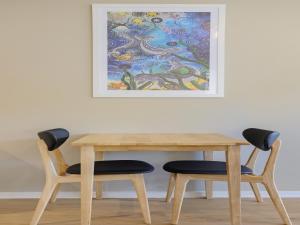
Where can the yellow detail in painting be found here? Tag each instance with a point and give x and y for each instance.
(152, 14)
(194, 85)
(201, 81)
(137, 21)
(190, 86)
(123, 57)
(122, 13)
(116, 85)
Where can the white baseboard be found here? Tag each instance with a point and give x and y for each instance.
(153, 194)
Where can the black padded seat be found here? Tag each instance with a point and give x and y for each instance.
(200, 167)
(116, 167)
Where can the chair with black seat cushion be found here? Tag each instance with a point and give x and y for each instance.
(51, 140)
(183, 171)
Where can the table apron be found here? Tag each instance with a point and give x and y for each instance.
(157, 148)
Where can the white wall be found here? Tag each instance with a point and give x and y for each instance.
(46, 82)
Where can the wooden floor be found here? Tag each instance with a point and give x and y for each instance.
(127, 212)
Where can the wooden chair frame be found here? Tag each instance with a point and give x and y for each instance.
(179, 181)
(207, 155)
(54, 178)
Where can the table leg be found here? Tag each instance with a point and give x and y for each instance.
(208, 155)
(234, 183)
(99, 185)
(87, 177)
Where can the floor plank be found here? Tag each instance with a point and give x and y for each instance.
(127, 212)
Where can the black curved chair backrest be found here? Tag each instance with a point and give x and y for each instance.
(262, 139)
(54, 138)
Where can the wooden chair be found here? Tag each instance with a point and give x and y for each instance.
(51, 140)
(184, 171)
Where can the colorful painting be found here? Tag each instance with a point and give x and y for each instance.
(150, 51)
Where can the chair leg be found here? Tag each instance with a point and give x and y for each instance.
(274, 195)
(256, 192)
(171, 187)
(54, 195)
(209, 156)
(99, 188)
(46, 195)
(99, 184)
(180, 186)
(208, 189)
(139, 184)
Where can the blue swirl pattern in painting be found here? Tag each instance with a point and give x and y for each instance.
(158, 50)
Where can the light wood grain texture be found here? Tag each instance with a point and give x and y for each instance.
(234, 179)
(46, 195)
(55, 178)
(234, 176)
(171, 187)
(252, 158)
(159, 142)
(50, 183)
(208, 155)
(126, 212)
(164, 148)
(255, 189)
(251, 164)
(87, 175)
(98, 184)
(123, 140)
(269, 183)
(61, 166)
(55, 193)
(138, 182)
(49, 168)
(180, 186)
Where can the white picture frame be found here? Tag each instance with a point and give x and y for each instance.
(212, 85)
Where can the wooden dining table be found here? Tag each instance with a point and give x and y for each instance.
(155, 142)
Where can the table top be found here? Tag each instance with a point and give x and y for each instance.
(158, 139)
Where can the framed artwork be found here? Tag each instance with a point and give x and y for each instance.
(164, 50)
